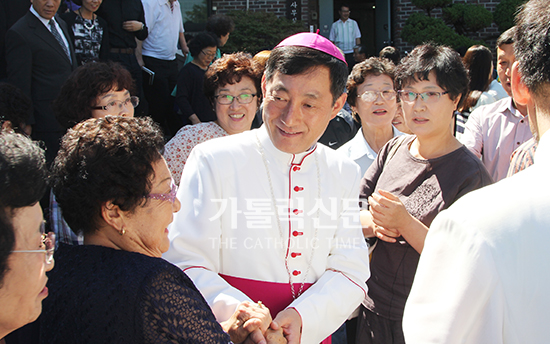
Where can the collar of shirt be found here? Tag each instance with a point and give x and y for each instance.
(284, 160)
(359, 146)
(509, 105)
(344, 22)
(44, 21)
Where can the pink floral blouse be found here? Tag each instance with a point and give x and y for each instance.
(177, 150)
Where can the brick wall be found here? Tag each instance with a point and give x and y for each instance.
(402, 9)
(278, 7)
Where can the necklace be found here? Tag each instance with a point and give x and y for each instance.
(294, 294)
(90, 26)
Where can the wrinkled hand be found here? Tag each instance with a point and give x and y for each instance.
(275, 336)
(291, 323)
(248, 324)
(132, 25)
(389, 215)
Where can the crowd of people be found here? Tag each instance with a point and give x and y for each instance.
(309, 194)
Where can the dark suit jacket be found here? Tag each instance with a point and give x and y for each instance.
(38, 65)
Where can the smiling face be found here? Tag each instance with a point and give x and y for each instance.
(113, 95)
(344, 13)
(505, 60)
(24, 284)
(380, 112)
(147, 225)
(236, 117)
(297, 108)
(46, 8)
(427, 120)
(91, 5)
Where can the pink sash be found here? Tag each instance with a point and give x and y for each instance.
(276, 296)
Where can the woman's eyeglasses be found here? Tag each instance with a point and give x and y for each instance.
(48, 244)
(226, 99)
(427, 97)
(116, 105)
(171, 196)
(209, 55)
(370, 96)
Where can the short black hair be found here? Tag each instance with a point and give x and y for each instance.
(201, 41)
(220, 24)
(507, 37)
(101, 160)
(371, 66)
(293, 60)
(343, 5)
(89, 81)
(446, 63)
(15, 106)
(391, 53)
(532, 47)
(23, 182)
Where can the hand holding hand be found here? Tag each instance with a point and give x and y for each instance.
(291, 323)
(389, 215)
(249, 322)
(132, 25)
(275, 336)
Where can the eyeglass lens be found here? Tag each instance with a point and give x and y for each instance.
(171, 196)
(227, 99)
(428, 97)
(370, 96)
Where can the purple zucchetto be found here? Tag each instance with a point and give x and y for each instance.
(313, 41)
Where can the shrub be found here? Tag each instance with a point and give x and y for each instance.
(257, 31)
(505, 12)
(429, 5)
(420, 29)
(467, 18)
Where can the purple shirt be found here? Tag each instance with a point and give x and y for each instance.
(493, 132)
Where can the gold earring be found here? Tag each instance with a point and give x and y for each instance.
(123, 231)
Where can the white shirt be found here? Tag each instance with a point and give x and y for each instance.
(227, 225)
(344, 34)
(493, 132)
(359, 150)
(484, 273)
(46, 23)
(164, 27)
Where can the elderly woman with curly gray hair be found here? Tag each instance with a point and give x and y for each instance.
(25, 250)
(114, 187)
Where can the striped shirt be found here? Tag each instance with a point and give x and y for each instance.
(523, 157)
(344, 34)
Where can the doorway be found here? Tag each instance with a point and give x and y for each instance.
(372, 16)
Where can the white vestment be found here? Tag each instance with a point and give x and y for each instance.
(227, 226)
(484, 273)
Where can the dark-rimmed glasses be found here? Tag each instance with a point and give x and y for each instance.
(171, 196)
(48, 242)
(209, 55)
(116, 105)
(226, 99)
(370, 96)
(427, 97)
